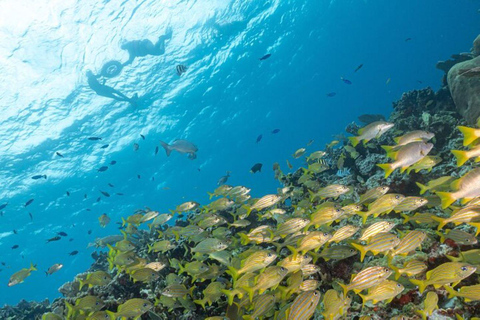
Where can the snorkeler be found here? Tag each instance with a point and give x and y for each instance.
(106, 91)
(141, 48)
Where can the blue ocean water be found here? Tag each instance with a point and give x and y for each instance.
(225, 100)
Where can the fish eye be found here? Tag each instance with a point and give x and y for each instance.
(315, 293)
(283, 269)
(325, 234)
(397, 197)
(464, 268)
(97, 303)
(269, 255)
(145, 305)
(352, 250)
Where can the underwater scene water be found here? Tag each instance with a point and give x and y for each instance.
(239, 159)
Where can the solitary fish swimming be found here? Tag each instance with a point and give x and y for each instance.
(181, 146)
(39, 176)
(257, 167)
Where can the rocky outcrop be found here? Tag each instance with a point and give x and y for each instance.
(464, 83)
(476, 46)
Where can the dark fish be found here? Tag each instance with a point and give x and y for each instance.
(102, 169)
(369, 118)
(138, 176)
(111, 185)
(98, 199)
(119, 194)
(259, 138)
(113, 162)
(31, 216)
(88, 209)
(15, 231)
(85, 196)
(156, 150)
(359, 67)
(63, 234)
(153, 178)
(223, 179)
(68, 193)
(94, 138)
(408, 39)
(143, 137)
(73, 252)
(106, 194)
(1, 213)
(54, 239)
(136, 146)
(331, 94)
(265, 57)
(15, 246)
(70, 240)
(39, 176)
(89, 232)
(419, 81)
(2, 206)
(28, 202)
(275, 131)
(3, 264)
(59, 154)
(257, 167)
(104, 146)
(181, 69)
(346, 81)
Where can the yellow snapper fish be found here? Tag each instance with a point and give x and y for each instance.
(300, 152)
(220, 191)
(343, 233)
(309, 285)
(468, 293)
(438, 184)
(465, 215)
(144, 275)
(177, 291)
(387, 290)
(338, 253)
(469, 135)
(187, 206)
(262, 305)
(325, 216)
(310, 269)
(104, 220)
(264, 202)
(161, 246)
(376, 228)
(97, 278)
(304, 305)
(458, 236)
(463, 156)
(335, 305)
(467, 188)
(290, 226)
(256, 261)
(412, 136)
(447, 273)
(406, 156)
(134, 219)
(380, 243)
(220, 204)
(294, 263)
(132, 308)
(315, 156)
(410, 268)
(312, 241)
(270, 278)
(367, 278)
(373, 194)
(20, 276)
(426, 163)
(410, 204)
(419, 218)
(373, 130)
(51, 316)
(471, 257)
(211, 294)
(85, 304)
(330, 191)
(149, 215)
(209, 245)
(410, 242)
(351, 209)
(382, 205)
(430, 304)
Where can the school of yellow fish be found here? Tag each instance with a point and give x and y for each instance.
(261, 258)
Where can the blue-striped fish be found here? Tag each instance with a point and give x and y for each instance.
(373, 194)
(367, 278)
(335, 305)
(460, 237)
(469, 293)
(410, 204)
(449, 272)
(376, 228)
(304, 305)
(387, 290)
(343, 233)
(382, 205)
(430, 304)
(261, 306)
(380, 243)
(410, 268)
(411, 241)
(464, 215)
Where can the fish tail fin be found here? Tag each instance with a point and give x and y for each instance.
(421, 284)
(423, 188)
(33, 267)
(461, 156)
(344, 287)
(454, 259)
(360, 248)
(111, 314)
(442, 237)
(70, 310)
(447, 199)
(230, 295)
(451, 292)
(406, 218)
(124, 222)
(364, 299)
(181, 269)
(354, 140)
(441, 222)
(247, 317)
(167, 148)
(110, 263)
(201, 302)
(250, 292)
(82, 283)
(387, 167)
(177, 235)
(468, 135)
(391, 153)
(294, 251)
(210, 195)
(364, 215)
(244, 239)
(391, 266)
(233, 272)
